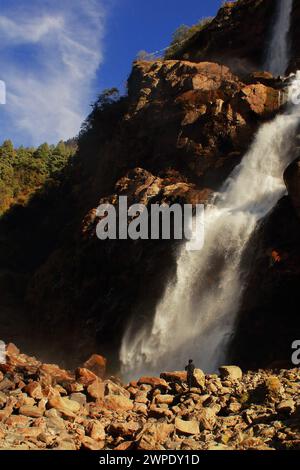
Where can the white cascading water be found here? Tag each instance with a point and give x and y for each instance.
(197, 314)
(278, 53)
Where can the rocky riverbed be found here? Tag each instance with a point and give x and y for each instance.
(45, 407)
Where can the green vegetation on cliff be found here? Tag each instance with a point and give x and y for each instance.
(24, 170)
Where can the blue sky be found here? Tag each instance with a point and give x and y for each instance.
(57, 55)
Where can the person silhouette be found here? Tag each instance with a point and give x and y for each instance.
(190, 369)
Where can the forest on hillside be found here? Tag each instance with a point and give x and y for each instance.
(24, 170)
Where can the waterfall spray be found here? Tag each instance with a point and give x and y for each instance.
(197, 314)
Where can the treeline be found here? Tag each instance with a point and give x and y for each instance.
(23, 170)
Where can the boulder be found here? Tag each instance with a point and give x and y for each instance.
(57, 374)
(85, 376)
(97, 431)
(88, 443)
(188, 428)
(124, 429)
(199, 378)
(164, 399)
(286, 406)
(34, 390)
(207, 419)
(118, 403)
(231, 373)
(177, 376)
(154, 436)
(96, 389)
(64, 405)
(96, 364)
(155, 382)
(31, 411)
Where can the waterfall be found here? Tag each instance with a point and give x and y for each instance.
(278, 53)
(197, 315)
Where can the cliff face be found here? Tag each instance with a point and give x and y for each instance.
(238, 36)
(182, 129)
(175, 138)
(270, 308)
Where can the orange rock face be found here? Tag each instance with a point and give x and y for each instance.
(96, 364)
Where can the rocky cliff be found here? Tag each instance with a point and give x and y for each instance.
(183, 127)
(237, 36)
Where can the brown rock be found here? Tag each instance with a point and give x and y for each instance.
(207, 419)
(125, 429)
(96, 364)
(31, 411)
(189, 428)
(79, 397)
(111, 388)
(17, 421)
(260, 98)
(57, 374)
(128, 445)
(12, 350)
(231, 373)
(88, 443)
(199, 378)
(96, 390)
(97, 431)
(154, 435)
(154, 382)
(177, 376)
(34, 390)
(118, 403)
(164, 399)
(141, 397)
(140, 408)
(64, 405)
(159, 412)
(286, 406)
(85, 376)
(6, 384)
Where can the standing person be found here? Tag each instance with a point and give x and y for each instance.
(190, 368)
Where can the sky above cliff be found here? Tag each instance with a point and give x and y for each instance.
(57, 55)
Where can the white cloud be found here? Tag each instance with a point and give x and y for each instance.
(31, 30)
(48, 100)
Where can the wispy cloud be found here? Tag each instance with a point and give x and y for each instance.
(49, 57)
